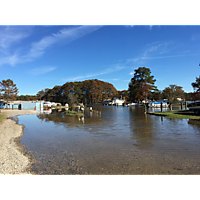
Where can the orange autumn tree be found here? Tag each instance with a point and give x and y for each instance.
(123, 94)
(87, 92)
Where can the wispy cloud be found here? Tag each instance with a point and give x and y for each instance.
(107, 71)
(129, 26)
(157, 47)
(150, 26)
(115, 79)
(38, 48)
(195, 37)
(159, 50)
(64, 36)
(11, 35)
(41, 70)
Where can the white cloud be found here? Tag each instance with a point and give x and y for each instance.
(195, 37)
(107, 71)
(41, 70)
(150, 27)
(160, 50)
(12, 35)
(160, 57)
(63, 37)
(131, 26)
(157, 47)
(115, 79)
(131, 73)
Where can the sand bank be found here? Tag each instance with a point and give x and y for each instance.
(12, 160)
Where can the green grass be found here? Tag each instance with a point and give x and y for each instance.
(177, 114)
(71, 113)
(2, 117)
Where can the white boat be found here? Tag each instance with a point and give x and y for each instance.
(195, 106)
(157, 104)
(49, 104)
(117, 102)
(132, 104)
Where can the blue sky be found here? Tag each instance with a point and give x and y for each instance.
(39, 57)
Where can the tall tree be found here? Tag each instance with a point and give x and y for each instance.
(8, 90)
(40, 94)
(173, 92)
(196, 85)
(141, 84)
(124, 94)
(155, 95)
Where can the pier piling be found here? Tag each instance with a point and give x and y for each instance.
(145, 109)
(170, 106)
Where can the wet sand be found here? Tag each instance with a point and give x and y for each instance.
(13, 160)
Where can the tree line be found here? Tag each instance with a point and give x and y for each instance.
(141, 87)
(87, 92)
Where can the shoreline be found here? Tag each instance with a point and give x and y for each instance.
(176, 114)
(14, 160)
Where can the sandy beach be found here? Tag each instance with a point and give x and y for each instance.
(12, 158)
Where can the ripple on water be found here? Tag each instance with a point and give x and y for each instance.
(121, 141)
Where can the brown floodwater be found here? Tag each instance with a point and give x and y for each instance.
(121, 140)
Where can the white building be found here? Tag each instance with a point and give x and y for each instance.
(117, 102)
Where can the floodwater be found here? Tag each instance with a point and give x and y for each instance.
(121, 140)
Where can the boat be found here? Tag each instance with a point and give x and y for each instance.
(49, 104)
(194, 106)
(132, 104)
(157, 104)
(117, 102)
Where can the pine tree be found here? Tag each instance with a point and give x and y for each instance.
(141, 84)
(8, 89)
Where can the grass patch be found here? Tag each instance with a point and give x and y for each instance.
(71, 113)
(177, 114)
(2, 117)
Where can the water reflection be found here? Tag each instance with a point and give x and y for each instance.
(121, 140)
(60, 117)
(145, 130)
(141, 126)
